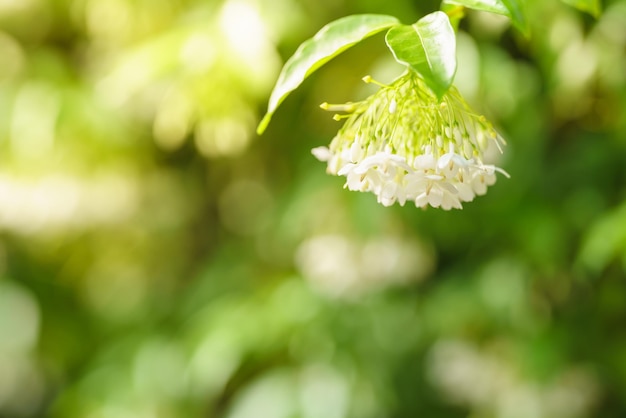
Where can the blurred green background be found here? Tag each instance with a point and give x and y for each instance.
(158, 259)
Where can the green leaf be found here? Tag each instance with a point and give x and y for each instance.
(509, 8)
(517, 15)
(330, 41)
(455, 13)
(592, 7)
(427, 47)
(492, 6)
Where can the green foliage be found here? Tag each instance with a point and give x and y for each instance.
(593, 7)
(510, 8)
(492, 6)
(517, 15)
(330, 41)
(427, 47)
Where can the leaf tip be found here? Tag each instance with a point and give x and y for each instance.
(263, 124)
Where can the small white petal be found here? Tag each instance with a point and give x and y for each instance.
(321, 153)
(450, 201)
(374, 181)
(465, 192)
(421, 201)
(478, 185)
(385, 202)
(444, 160)
(424, 162)
(467, 148)
(356, 152)
(346, 169)
(504, 173)
(448, 187)
(414, 185)
(393, 106)
(355, 182)
(389, 190)
(401, 197)
(435, 197)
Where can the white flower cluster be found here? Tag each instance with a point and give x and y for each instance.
(405, 146)
(439, 181)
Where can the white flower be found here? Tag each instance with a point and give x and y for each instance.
(381, 173)
(403, 144)
(322, 153)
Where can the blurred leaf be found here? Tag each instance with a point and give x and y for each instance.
(330, 41)
(592, 7)
(427, 47)
(517, 15)
(510, 8)
(605, 241)
(492, 6)
(455, 13)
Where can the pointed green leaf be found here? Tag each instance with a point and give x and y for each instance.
(329, 42)
(493, 6)
(590, 6)
(509, 8)
(455, 13)
(517, 15)
(428, 47)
